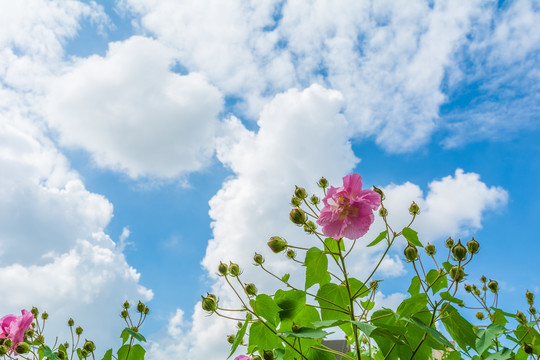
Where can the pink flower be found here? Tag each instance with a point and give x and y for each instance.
(348, 210)
(5, 323)
(242, 357)
(13, 327)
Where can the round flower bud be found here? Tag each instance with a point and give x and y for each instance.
(134, 328)
(251, 289)
(30, 333)
(209, 303)
(268, 355)
(532, 310)
(459, 251)
(411, 253)
(71, 322)
(84, 353)
(383, 212)
(8, 343)
(527, 348)
(146, 310)
(61, 354)
(493, 286)
(296, 201)
(414, 209)
(430, 249)
(40, 339)
(124, 314)
(457, 273)
(468, 288)
(300, 192)
(530, 297)
(521, 318)
(374, 285)
(126, 305)
(277, 244)
(3, 350)
(22, 348)
(239, 324)
(256, 357)
(295, 328)
(34, 312)
(323, 183)
(473, 246)
(140, 307)
(314, 199)
(89, 346)
(230, 338)
(483, 279)
(66, 345)
(234, 269)
(44, 316)
(258, 259)
(78, 330)
(297, 216)
(223, 269)
(310, 227)
(477, 292)
(449, 242)
(379, 191)
(291, 254)
(364, 340)
(480, 315)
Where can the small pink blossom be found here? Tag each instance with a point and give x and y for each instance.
(242, 357)
(13, 327)
(348, 210)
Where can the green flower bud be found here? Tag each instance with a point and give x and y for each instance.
(449, 242)
(480, 315)
(78, 330)
(473, 246)
(230, 338)
(251, 289)
(459, 251)
(414, 209)
(223, 269)
(430, 249)
(134, 328)
(373, 285)
(323, 183)
(379, 191)
(3, 350)
(527, 348)
(364, 340)
(89, 346)
(30, 333)
(268, 355)
(40, 339)
(314, 199)
(209, 303)
(126, 305)
(256, 357)
(457, 273)
(239, 324)
(310, 227)
(411, 253)
(477, 292)
(296, 328)
(291, 254)
(258, 259)
(383, 212)
(493, 286)
(34, 312)
(530, 297)
(483, 279)
(140, 307)
(468, 288)
(300, 192)
(521, 318)
(124, 314)
(146, 310)
(22, 348)
(71, 322)
(66, 345)
(8, 343)
(296, 201)
(532, 310)
(234, 270)
(297, 216)
(61, 354)
(277, 244)
(84, 353)
(44, 316)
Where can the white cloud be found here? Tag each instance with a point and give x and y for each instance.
(133, 114)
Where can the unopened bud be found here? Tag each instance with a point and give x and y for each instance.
(449, 242)
(477, 292)
(521, 318)
(8, 343)
(146, 310)
(223, 269)
(66, 345)
(230, 338)
(277, 244)
(527, 348)
(379, 191)
(414, 209)
(71, 322)
(239, 324)
(480, 315)
(473, 246)
(209, 303)
(530, 297)
(40, 339)
(459, 251)
(295, 328)
(323, 183)
(468, 288)
(268, 355)
(310, 227)
(411, 253)
(34, 312)
(483, 279)
(124, 314)
(457, 273)
(430, 249)
(314, 199)
(258, 259)
(383, 212)
(300, 192)
(364, 340)
(135, 328)
(493, 286)
(532, 310)
(89, 346)
(84, 353)
(256, 357)
(3, 350)
(61, 354)
(140, 307)
(22, 348)
(44, 316)
(234, 269)
(126, 305)
(291, 254)
(296, 201)
(297, 216)
(78, 330)
(251, 289)
(30, 333)
(374, 285)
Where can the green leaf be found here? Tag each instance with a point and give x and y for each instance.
(436, 280)
(358, 289)
(434, 334)
(447, 266)
(108, 355)
(239, 337)
(333, 299)
(135, 352)
(411, 236)
(291, 302)
(79, 354)
(285, 277)
(499, 316)
(266, 307)
(124, 336)
(485, 339)
(504, 354)
(316, 264)
(305, 333)
(314, 353)
(331, 245)
(378, 239)
(414, 288)
(446, 296)
(135, 334)
(263, 337)
(48, 353)
(412, 305)
(459, 329)
(367, 305)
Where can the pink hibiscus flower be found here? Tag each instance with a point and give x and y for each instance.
(348, 210)
(242, 357)
(13, 327)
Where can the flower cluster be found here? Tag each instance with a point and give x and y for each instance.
(14, 328)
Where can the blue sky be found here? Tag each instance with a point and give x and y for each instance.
(141, 142)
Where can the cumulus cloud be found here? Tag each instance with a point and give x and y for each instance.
(133, 114)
